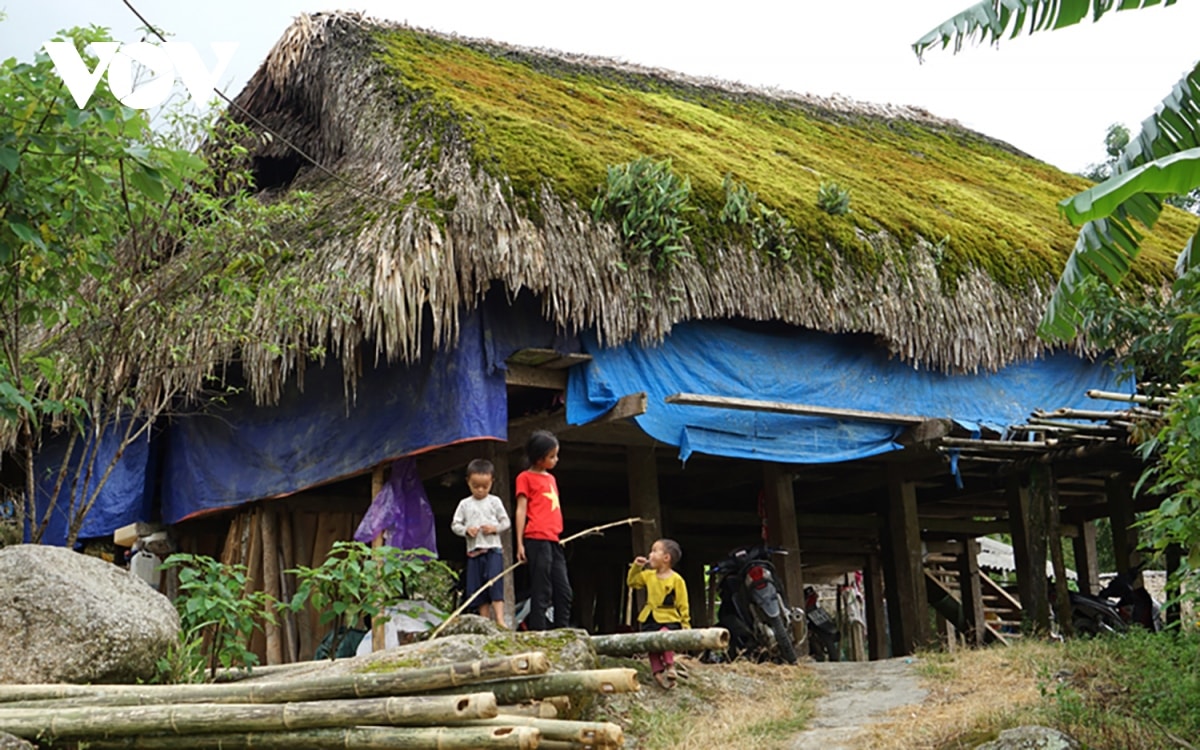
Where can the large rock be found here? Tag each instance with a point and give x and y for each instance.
(66, 617)
(1031, 738)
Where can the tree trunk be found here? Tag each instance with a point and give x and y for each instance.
(402, 682)
(631, 644)
(98, 722)
(364, 738)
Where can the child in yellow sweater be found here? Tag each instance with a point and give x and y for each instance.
(666, 601)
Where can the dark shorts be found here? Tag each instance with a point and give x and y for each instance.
(480, 570)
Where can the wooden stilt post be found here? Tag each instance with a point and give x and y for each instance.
(910, 626)
(877, 636)
(1087, 566)
(502, 487)
(783, 531)
(1027, 520)
(378, 633)
(642, 469)
(972, 594)
(693, 575)
(1043, 485)
(1119, 489)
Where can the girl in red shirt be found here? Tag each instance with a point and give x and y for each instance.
(539, 522)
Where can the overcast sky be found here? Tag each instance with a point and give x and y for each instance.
(1052, 95)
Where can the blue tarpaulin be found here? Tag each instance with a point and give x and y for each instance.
(130, 484)
(245, 452)
(806, 367)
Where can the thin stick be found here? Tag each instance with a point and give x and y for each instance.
(627, 522)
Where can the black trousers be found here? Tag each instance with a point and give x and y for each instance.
(548, 584)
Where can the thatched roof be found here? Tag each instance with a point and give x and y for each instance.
(479, 161)
(450, 165)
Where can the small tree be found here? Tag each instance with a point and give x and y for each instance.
(357, 581)
(135, 259)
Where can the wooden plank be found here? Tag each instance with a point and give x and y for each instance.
(990, 588)
(304, 529)
(547, 358)
(779, 407)
(254, 576)
(1028, 519)
(907, 598)
(877, 639)
(267, 518)
(971, 591)
(287, 586)
(783, 531)
(519, 430)
(1087, 566)
(535, 377)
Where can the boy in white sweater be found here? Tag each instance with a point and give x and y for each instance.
(481, 518)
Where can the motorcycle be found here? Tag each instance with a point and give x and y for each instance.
(823, 634)
(753, 607)
(1117, 607)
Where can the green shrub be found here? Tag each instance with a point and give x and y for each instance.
(648, 202)
(217, 616)
(833, 199)
(739, 202)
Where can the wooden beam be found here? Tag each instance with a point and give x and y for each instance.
(1119, 489)
(1043, 485)
(452, 459)
(877, 640)
(641, 467)
(1027, 518)
(906, 598)
(546, 358)
(1087, 566)
(535, 377)
(520, 429)
(972, 593)
(782, 531)
(778, 407)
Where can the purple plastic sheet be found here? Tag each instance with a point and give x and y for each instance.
(400, 511)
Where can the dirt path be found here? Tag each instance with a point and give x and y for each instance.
(859, 693)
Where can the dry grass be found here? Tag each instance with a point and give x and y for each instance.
(973, 695)
(721, 705)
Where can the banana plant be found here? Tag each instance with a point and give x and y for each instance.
(1162, 160)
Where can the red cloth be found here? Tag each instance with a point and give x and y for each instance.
(543, 516)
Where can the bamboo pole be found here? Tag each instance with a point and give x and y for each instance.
(1131, 397)
(401, 682)
(606, 681)
(360, 738)
(197, 718)
(590, 733)
(630, 644)
(269, 520)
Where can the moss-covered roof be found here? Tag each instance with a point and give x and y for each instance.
(461, 162)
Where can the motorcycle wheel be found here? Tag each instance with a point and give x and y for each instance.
(783, 640)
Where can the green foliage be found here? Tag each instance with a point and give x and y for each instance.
(121, 239)
(649, 202)
(1132, 690)
(358, 581)
(833, 199)
(217, 616)
(739, 202)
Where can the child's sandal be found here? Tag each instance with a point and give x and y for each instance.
(663, 680)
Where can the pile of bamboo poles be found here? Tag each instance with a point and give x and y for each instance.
(472, 704)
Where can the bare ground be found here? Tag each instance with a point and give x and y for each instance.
(859, 694)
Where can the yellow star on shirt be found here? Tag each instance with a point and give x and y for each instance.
(553, 495)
